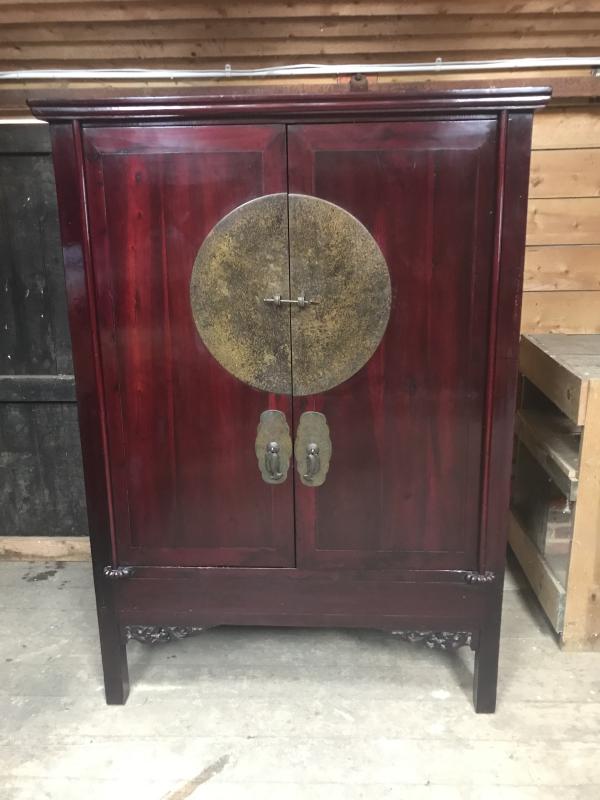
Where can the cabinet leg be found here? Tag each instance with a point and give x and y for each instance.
(486, 667)
(114, 659)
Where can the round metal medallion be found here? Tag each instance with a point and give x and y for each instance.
(290, 285)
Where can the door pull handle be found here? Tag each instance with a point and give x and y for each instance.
(273, 446)
(273, 461)
(313, 448)
(313, 462)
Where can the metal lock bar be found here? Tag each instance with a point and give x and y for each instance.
(301, 302)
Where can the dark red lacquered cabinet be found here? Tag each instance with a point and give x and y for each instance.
(295, 324)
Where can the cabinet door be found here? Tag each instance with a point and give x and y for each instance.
(403, 485)
(181, 429)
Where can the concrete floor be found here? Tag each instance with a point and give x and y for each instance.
(288, 714)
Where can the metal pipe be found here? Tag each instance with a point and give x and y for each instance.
(303, 70)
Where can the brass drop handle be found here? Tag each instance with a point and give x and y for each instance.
(273, 446)
(301, 302)
(313, 462)
(273, 461)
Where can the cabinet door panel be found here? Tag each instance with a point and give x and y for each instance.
(403, 487)
(182, 430)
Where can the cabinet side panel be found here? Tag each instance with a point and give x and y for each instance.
(512, 250)
(70, 185)
(75, 247)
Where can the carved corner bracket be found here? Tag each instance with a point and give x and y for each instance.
(480, 577)
(158, 634)
(118, 572)
(444, 640)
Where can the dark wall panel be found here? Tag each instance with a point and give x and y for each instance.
(41, 483)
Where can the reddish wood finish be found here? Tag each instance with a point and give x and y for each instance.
(312, 597)
(186, 488)
(503, 387)
(404, 483)
(70, 185)
(417, 492)
(257, 104)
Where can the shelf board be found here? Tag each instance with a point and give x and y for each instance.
(554, 442)
(562, 366)
(549, 590)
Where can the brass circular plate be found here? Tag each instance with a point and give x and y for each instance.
(322, 253)
(243, 260)
(335, 260)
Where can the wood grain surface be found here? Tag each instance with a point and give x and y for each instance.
(186, 34)
(562, 275)
(380, 505)
(181, 430)
(41, 481)
(410, 528)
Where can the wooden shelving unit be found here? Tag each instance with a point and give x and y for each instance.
(559, 430)
(554, 442)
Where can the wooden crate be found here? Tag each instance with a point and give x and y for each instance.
(563, 438)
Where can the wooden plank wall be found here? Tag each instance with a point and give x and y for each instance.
(41, 480)
(203, 34)
(184, 33)
(562, 264)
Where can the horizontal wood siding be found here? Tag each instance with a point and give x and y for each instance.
(561, 312)
(562, 262)
(204, 35)
(565, 173)
(184, 34)
(562, 267)
(41, 482)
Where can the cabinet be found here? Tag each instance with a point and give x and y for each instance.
(295, 325)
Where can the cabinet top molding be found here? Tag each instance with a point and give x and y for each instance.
(292, 107)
